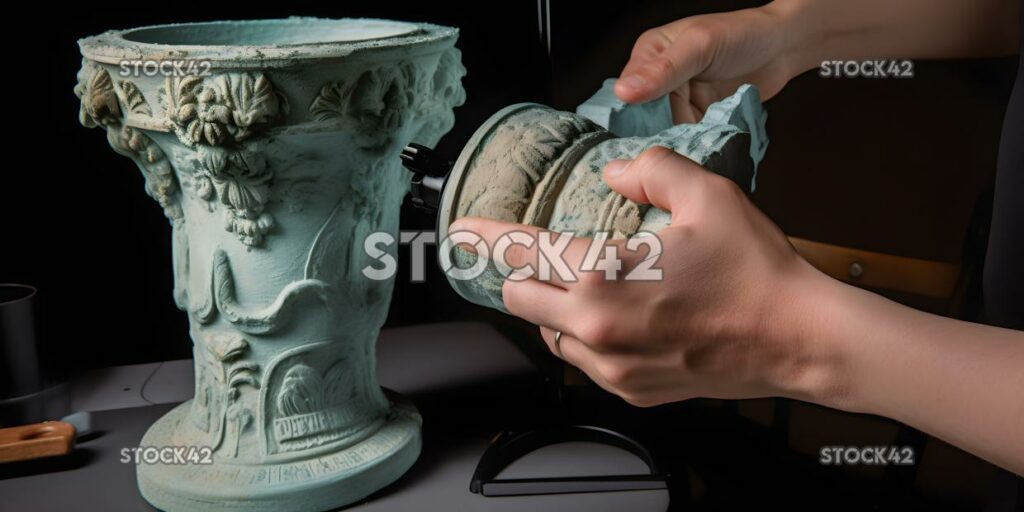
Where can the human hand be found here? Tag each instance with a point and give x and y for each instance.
(701, 59)
(720, 322)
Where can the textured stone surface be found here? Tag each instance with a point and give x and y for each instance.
(272, 166)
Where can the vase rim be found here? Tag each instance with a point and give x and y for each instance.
(263, 43)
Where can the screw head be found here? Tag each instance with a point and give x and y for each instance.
(856, 270)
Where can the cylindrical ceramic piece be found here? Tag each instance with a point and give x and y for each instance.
(272, 147)
(534, 165)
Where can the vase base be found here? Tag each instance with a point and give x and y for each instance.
(322, 482)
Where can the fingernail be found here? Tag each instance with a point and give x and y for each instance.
(616, 167)
(635, 82)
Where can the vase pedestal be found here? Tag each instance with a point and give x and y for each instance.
(319, 482)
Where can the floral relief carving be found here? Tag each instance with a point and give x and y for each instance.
(447, 92)
(240, 181)
(133, 98)
(380, 100)
(529, 143)
(227, 108)
(95, 89)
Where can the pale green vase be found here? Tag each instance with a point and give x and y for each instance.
(272, 147)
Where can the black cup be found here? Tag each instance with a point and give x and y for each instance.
(25, 396)
(19, 352)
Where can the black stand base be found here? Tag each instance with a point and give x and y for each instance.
(509, 446)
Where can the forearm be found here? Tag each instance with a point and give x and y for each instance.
(821, 30)
(958, 381)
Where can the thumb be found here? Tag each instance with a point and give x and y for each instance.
(662, 60)
(658, 176)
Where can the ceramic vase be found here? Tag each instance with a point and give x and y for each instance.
(272, 147)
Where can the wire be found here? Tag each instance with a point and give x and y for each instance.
(142, 391)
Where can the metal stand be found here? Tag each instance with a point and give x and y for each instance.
(507, 447)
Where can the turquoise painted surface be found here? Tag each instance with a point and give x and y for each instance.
(273, 161)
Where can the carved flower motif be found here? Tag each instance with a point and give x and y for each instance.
(229, 107)
(379, 102)
(535, 145)
(95, 89)
(241, 180)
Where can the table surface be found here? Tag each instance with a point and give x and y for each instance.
(444, 368)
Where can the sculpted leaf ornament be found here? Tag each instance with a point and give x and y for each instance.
(379, 101)
(240, 180)
(133, 99)
(99, 105)
(228, 108)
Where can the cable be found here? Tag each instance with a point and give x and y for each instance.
(142, 391)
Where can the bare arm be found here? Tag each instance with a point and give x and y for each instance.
(918, 29)
(702, 59)
(738, 314)
(958, 381)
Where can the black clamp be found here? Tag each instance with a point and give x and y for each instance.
(431, 172)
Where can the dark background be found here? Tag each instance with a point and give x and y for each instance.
(888, 165)
(896, 166)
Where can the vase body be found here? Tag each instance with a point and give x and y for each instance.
(534, 165)
(273, 151)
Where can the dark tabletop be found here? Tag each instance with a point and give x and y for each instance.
(468, 383)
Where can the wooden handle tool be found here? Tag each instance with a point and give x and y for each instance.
(38, 440)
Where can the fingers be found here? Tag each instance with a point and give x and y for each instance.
(663, 59)
(683, 110)
(572, 351)
(629, 376)
(587, 318)
(554, 345)
(658, 176)
(518, 246)
(540, 303)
